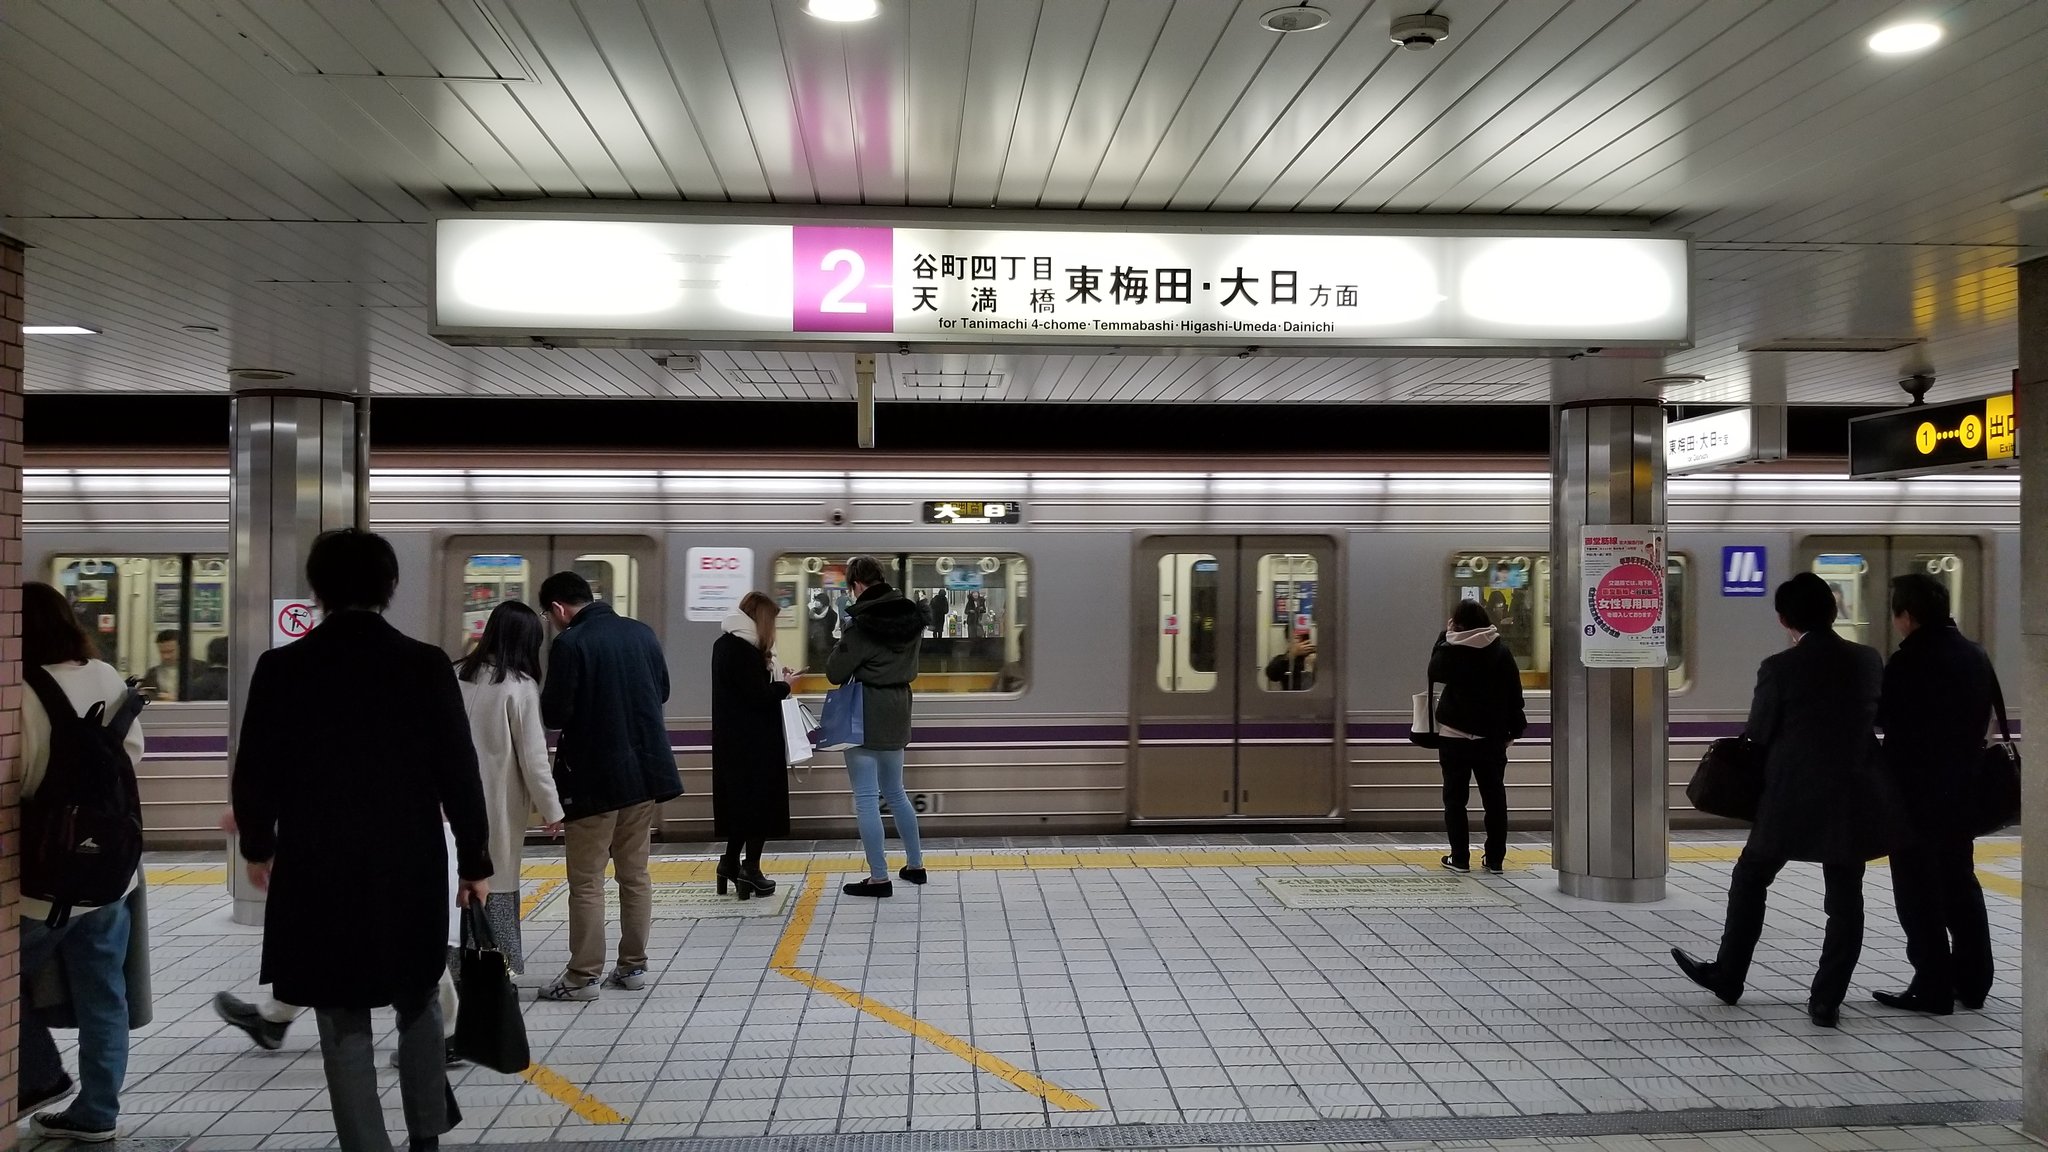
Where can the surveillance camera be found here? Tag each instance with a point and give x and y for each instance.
(1421, 32)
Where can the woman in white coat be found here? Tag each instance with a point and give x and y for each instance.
(501, 688)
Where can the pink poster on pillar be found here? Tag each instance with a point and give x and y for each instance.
(842, 280)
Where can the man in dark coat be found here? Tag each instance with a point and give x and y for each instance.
(1813, 720)
(614, 767)
(352, 735)
(1938, 694)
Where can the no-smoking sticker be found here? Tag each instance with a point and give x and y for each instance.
(291, 619)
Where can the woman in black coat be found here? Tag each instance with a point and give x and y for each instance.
(749, 788)
(356, 735)
(1478, 714)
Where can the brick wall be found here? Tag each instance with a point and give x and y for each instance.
(10, 678)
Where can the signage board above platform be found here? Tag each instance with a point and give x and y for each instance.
(1736, 436)
(1927, 438)
(727, 280)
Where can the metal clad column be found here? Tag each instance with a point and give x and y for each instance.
(2032, 401)
(298, 460)
(1609, 758)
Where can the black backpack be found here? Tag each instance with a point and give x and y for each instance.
(82, 830)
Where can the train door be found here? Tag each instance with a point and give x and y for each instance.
(486, 571)
(1860, 570)
(1235, 714)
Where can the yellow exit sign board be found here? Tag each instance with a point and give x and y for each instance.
(1977, 433)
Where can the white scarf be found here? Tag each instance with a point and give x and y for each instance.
(1473, 638)
(738, 623)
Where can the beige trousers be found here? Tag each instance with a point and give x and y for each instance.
(620, 839)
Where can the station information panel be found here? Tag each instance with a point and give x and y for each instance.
(1976, 433)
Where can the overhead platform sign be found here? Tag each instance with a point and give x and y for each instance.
(1736, 436)
(503, 278)
(1976, 433)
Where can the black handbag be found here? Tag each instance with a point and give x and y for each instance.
(1995, 793)
(1729, 782)
(490, 1029)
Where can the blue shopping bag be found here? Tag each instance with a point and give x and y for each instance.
(844, 724)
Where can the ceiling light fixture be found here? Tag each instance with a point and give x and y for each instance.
(57, 330)
(1295, 18)
(1899, 39)
(843, 11)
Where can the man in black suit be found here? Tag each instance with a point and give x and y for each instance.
(1938, 693)
(1813, 721)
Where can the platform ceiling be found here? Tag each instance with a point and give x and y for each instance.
(265, 167)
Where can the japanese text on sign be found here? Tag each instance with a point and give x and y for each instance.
(1621, 577)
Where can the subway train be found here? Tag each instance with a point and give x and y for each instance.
(1114, 644)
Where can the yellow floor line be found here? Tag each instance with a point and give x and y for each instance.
(2003, 885)
(680, 871)
(531, 900)
(580, 1102)
(784, 963)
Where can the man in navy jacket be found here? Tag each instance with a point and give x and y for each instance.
(606, 683)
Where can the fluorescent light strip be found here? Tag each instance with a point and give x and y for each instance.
(57, 330)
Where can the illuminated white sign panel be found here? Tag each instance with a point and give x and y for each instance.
(1710, 441)
(512, 277)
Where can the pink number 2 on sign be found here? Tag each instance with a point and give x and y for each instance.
(842, 280)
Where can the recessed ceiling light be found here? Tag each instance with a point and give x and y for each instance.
(843, 11)
(1899, 39)
(57, 330)
(1295, 18)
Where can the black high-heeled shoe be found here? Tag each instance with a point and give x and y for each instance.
(763, 886)
(728, 871)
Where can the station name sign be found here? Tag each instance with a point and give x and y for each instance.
(1736, 436)
(1935, 438)
(973, 512)
(511, 278)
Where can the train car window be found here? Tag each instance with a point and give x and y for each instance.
(161, 620)
(1288, 634)
(977, 607)
(1188, 590)
(1860, 569)
(614, 579)
(1515, 587)
(488, 581)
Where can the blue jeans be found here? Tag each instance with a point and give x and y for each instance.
(876, 774)
(94, 946)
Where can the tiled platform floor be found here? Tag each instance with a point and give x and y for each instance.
(1038, 988)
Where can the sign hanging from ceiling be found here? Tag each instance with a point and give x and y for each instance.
(1737, 436)
(1976, 433)
(514, 279)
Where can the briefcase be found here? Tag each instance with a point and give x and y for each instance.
(1995, 793)
(1729, 782)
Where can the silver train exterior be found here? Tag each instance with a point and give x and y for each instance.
(1062, 752)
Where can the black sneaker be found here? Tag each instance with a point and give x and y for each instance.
(268, 1034)
(1454, 866)
(36, 1098)
(58, 1125)
(1495, 867)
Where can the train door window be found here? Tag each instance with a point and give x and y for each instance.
(1860, 570)
(488, 580)
(1188, 589)
(1287, 633)
(159, 619)
(977, 607)
(485, 572)
(1515, 587)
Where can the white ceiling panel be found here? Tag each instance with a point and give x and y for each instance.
(265, 167)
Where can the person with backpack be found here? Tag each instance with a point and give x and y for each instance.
(80, 745)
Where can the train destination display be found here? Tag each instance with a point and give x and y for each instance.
(514, 278)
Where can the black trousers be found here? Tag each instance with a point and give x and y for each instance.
(1464, 761)
(734, 846)
(1941, 908)
(1840, 947)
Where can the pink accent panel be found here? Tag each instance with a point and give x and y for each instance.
(843, 280)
